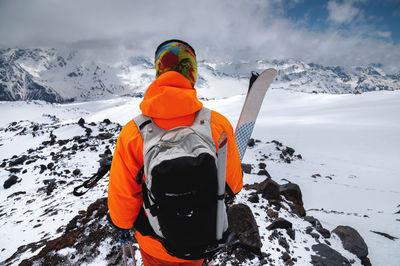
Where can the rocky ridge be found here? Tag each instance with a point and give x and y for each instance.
(269, 218)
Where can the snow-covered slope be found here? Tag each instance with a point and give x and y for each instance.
(61, 76)
(347, 173)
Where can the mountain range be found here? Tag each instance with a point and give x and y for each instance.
(54, 75)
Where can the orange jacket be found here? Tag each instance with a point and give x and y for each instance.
(170, 101)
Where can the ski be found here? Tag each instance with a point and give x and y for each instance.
(251, 108)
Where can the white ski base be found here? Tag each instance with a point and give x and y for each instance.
(251, 109)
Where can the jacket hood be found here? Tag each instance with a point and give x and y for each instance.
(170, 96)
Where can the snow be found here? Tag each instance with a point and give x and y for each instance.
(354, 139)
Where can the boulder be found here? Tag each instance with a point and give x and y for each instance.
(107, 121)
(81, 122)
(269, 189)
(280, 223)
(264, 172)
(324, 232)
(254, 198)
(317, 225)
(292, 193)
(251, 143)
(312, 220)
(352, 240)
(76, 171)
(18, 160)
(12, 180)
(246, 168)
(243, 224)
(103, 136)
(326, 256)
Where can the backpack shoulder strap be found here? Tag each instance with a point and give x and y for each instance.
(141, 121)
(203, 116)
(147, 128)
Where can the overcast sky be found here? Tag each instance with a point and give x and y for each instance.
(334, 32)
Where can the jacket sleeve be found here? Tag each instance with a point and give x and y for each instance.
(124, 194)
(234, 176)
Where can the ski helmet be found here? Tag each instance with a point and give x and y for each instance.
(176, 55)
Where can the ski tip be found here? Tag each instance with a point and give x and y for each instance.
(271, 70)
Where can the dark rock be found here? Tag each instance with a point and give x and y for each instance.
(385, 235)
(31, 161)
(107, 151)
(106, 162)
(88, 131)
(107, 121)
(264, 172)
(246, 168)
(251, 143)
(277, 143)
(14, 170)
(291, 233)
(324, 232)
(280, 223)
(283, 243)
(12, 180)
(352, 240)
(315, 175)
(272, 214)
(292, 193)
(104, 136)
(16, 194)
(80, 139)
(365, 261)
(296, 209)
(76, 172)
(270, 189)
(326, 256)
(49, 181)
(285, 256)
(42, 168)
(312, 220)
(3, 164)
(18, 161)
(50, 165)
(81, 122)
(309, 229)
(314, 235)
(289, 151)
(243, 224)
(254, 198)
(262, 165)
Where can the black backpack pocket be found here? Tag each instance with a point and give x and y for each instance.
(184, 190)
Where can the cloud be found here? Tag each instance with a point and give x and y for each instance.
(383, 34)
(224, 29)
(344, 12)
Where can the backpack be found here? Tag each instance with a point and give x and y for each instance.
(184, 188)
